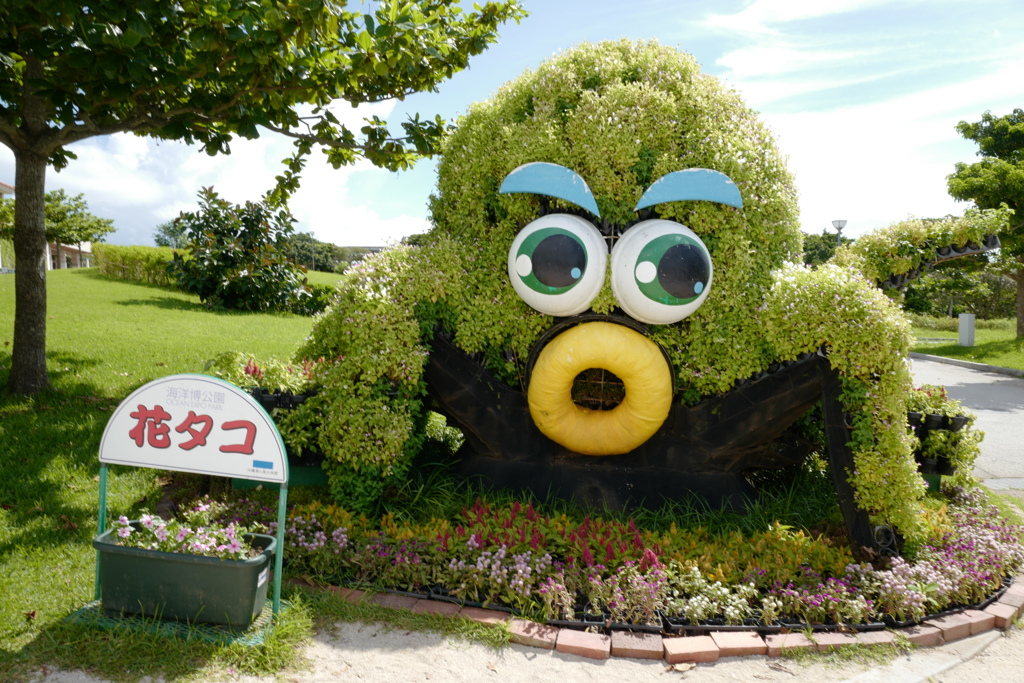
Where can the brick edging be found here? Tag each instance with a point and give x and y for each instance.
(710, 647)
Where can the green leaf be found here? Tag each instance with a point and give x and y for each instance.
(364, 40)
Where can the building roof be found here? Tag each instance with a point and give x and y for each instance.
(6, 189)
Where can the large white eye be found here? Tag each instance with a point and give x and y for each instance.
(557, 264)
(661, 272)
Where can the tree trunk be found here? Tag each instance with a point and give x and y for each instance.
(1019, 278)
(28, 358)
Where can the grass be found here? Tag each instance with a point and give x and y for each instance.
(124, 653)
(998, 347)
(863, 655)
(105, 339)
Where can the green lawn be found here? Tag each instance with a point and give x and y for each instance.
(105, 338)
(991, 347)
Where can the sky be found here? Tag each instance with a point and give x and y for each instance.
(862, 95)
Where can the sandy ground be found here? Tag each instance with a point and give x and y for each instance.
(372, 653)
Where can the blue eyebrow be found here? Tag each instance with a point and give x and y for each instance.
(551, 180)
(693, 183)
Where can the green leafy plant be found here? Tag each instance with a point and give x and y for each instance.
(690, 594)
(238, 256)
(245, 371)
(904, 246)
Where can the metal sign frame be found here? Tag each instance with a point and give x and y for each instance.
(238, 448)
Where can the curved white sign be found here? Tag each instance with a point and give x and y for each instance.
(195, 423)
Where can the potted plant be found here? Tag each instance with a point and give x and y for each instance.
(194, 570)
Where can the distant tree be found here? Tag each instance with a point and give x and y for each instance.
(66, 219)
(820, 248)
(313, 254)
(171, 234)
(957, 286)
(348, 256)
(998, 179)
(205, 72)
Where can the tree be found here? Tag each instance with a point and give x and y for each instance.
(171, 234)
(238, 256)
(204, 72)
(66, 219)
(820, 248)
(962, 285)
(313, 254)
(348, 256)
(995, 180)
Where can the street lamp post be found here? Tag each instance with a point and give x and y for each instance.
(839, 225)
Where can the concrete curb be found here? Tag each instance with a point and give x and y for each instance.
(981, 367)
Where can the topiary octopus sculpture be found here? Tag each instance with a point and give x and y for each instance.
(610, 306)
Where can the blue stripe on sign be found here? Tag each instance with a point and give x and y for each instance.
(263, 464)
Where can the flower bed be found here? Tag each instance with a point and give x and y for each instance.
(599, 573)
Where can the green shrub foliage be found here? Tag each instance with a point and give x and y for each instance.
(904, 246)
(621, 114)
(136, 264)
(239, 258)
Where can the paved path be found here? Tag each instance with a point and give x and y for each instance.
(998, 401)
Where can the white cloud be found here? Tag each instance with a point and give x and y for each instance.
(142, 182)
(877, 163)
(781, 58)
(760, 16)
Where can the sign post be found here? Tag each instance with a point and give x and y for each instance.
(200, 424)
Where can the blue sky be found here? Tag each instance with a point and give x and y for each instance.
(863, 96)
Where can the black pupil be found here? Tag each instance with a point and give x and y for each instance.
(681, 268)
(556, 258)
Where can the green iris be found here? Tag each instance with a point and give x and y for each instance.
(673, 270)
(551, 261)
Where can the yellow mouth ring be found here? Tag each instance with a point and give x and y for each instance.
(631, 356)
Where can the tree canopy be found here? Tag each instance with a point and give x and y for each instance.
(995, 180)
(67, 219)
(206, 71)
(820, 248)
(312, 254)
(171, 234)
(237, 256)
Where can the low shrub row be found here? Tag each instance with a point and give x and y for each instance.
(947, 324)
(147, 265)
(150, 265)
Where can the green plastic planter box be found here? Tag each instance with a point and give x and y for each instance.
(190, 588)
